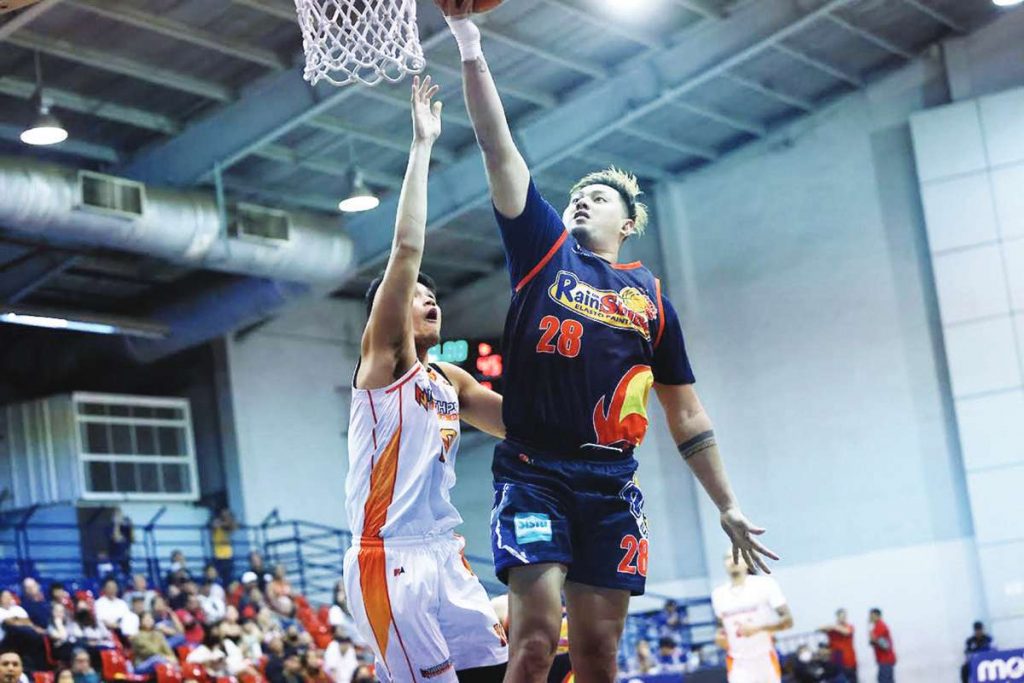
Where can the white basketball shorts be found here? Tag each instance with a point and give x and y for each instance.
(757, 670)
(422, 609)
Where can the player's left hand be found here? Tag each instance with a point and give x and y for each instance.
(426, 115)
(741, 532)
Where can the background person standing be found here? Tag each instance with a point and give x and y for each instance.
(881, 641)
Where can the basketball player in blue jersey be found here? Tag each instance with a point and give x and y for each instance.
(585, 340)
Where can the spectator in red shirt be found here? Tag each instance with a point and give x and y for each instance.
(191, 617)
(840, 644)
(881, 641)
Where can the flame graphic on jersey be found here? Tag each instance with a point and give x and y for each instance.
(626, 417)
(447, 439)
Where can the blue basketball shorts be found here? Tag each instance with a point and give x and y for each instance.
(585, 514)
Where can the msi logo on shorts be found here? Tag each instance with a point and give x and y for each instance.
(398, 571)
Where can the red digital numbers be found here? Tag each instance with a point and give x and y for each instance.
(490, 366)
(569, 335)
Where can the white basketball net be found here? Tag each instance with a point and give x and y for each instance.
(367, 41)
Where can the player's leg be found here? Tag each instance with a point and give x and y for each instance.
(597, 617)
(609, 564)
(389, 592)
(476, 639)
(535, 619)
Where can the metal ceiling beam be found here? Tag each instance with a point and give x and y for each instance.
(285, 155)
(871, 37)
(269, 108)
(72, 146)
(108, 61)
(745, 125)
(636, 90)
(704, 8)
(26, 17)
(184, 32)
(65, 99)
(604, 159)
(606, 25)
(545, 54)
(675, 145)
(537, 97)
(277, 198)
(269, 7)
(332, 124)
(937, 15)
(30, 272)
(770, 92)
(815, 63)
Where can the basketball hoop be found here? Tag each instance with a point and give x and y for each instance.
(365, 41)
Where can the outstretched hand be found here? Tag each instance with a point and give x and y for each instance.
(741, 532)
(426, 115)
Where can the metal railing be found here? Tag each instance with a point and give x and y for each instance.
(311, 553)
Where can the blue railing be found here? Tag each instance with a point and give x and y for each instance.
(312, 553)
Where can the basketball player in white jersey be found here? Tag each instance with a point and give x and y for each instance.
(413, 595)
(749, 609)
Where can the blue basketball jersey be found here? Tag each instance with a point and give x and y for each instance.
(584, 339)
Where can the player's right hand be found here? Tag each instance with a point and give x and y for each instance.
(741, 532)
(426, 115)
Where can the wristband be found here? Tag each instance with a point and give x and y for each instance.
(467, 35)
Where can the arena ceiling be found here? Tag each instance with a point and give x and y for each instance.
(166, 90)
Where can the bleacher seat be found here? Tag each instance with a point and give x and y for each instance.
(115, 668)
(165, 673)
(42, 677)
(194, 672)
(183, 651)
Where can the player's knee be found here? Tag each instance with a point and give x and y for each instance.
(535, 650)
(594, 659)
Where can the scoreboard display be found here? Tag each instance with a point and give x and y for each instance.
(479, 357)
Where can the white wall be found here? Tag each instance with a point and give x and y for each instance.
(289, 390)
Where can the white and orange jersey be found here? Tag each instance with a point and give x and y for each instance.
(753, 603)
(402, 441)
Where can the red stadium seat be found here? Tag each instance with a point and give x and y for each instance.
(324, 614)
(165, 673)
(194, 672)
(115, 668)
(183, 652)
(42, 677)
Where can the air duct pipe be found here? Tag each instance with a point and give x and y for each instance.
(183, 227)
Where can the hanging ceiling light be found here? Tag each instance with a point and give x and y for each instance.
(46, 129)
(361, 198)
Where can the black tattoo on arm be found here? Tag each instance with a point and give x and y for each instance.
(697, 444)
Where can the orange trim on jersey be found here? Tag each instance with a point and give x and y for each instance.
(661, 312)
(543, 262)
(728, 664)
(382, 486)
(627, 266)
(405, 378)
(776, 664)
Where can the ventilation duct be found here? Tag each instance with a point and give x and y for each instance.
(183, 227)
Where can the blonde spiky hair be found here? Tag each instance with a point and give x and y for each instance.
(626, 185)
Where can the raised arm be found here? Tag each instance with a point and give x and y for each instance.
(693, 432)
(388, 348)
(507, 173)
(478, 405)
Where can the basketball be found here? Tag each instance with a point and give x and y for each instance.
(485, 5)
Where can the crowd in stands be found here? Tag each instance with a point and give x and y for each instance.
(191, 629)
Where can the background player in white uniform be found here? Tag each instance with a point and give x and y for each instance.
(749, 610)
(413, 595)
